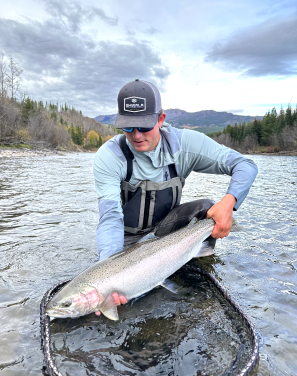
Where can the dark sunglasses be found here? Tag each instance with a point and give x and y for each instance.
(140, 129)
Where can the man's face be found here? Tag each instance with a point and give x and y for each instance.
(146, 141)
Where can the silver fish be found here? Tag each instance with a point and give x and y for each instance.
(131, 273)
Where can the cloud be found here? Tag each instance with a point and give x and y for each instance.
(278, 7)
(61, 63)
(236, 111)
(74, 14)
(130, 33)
(268, 49)
(152, 30)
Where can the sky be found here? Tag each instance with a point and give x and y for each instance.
(238, 56)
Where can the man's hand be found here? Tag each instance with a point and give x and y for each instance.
(222, 215)
(119, 299)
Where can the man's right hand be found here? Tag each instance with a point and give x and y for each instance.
(222, 215)
(118, 299)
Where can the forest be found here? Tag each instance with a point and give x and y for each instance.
(25, 122)
(276, 132)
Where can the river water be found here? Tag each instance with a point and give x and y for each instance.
(48, 217)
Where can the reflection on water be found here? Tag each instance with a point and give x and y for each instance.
(47, 234)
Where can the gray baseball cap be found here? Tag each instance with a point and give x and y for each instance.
(139, 104)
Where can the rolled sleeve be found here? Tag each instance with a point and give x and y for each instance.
(202, 154)
(244, 172)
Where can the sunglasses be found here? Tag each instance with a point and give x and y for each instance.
(140, 129)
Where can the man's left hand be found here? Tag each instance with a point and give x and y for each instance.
(118, 299)
(222, 215)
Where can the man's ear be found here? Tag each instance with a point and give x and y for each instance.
(161, 119)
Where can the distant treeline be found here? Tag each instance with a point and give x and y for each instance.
(26, 121)
(275, 132)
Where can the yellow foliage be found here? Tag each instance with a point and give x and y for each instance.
(93, 137)
(23, 134)
(104, 139)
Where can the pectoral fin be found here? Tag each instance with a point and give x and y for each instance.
(171, 286)
(109, 309)
(148, 237)
(235, 226)
(207, 247)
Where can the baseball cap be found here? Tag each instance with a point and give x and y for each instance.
(139, 103)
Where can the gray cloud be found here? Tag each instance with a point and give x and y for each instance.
(152, 30)
(130, 32)
(73, 14)
(61, 63)
(269, 49)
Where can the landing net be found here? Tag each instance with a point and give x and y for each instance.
(154, 341)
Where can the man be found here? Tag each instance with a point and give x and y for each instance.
(139, 177)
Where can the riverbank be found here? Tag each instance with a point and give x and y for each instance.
(285, 153)
(24, 152)
(28, 151)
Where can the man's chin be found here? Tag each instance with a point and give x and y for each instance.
(140, 147)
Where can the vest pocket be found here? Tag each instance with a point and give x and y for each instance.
(163, 204)
(131, 208)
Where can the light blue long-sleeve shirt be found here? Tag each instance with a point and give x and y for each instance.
(188, 150)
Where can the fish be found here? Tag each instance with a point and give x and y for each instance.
(132, 272)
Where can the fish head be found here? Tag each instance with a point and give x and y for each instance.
(74, 301)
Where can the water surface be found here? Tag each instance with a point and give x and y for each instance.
(48, 223)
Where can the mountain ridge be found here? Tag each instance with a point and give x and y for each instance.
(183, 119)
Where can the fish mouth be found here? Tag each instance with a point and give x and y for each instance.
(59, 313)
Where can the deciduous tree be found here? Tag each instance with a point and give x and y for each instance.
(13, 78)
(3, 79)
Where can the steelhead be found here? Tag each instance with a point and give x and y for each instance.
(131, 273)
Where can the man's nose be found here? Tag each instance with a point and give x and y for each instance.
(136, 133)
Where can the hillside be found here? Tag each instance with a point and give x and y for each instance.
(179, 118)
(33, 124)
(275, 133)
(209, 118)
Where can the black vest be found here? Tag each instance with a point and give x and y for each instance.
(147, 203)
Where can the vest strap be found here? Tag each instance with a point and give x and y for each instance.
(172, 171)
(128, 155)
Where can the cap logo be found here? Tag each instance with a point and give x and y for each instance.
(134, 104)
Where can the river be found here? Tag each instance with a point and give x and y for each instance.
(48, 218)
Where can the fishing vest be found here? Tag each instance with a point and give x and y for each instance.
(146, 203)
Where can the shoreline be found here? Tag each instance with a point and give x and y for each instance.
(24, 152)
(11, 152)
(8, 152)
(285, 153)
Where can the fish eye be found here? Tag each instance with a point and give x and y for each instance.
(66, 304)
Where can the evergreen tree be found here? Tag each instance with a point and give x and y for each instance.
(80, 138)
(256, 129)
(27, 110)
(99, 142)
(54, 116)
(288, 117)
(281, 121)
